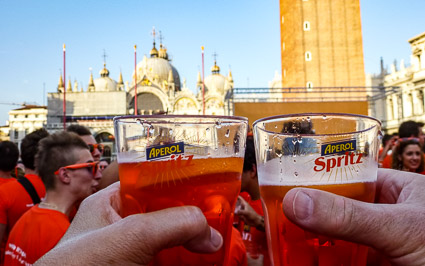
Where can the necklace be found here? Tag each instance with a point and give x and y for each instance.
(46, 205)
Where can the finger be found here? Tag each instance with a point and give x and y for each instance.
(395, 186)
(335, 216)
(185, 226)
(137, 238)
(99, 210)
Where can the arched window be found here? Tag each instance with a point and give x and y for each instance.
(412, 104)
(309, 86)
(306, 26)
(108, 141)
(420, 96)
(307, 56)
(391, 109)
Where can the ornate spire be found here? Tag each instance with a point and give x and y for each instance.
(69, 87)
(91, 82)
(75, 86)
(154, 52)
(162, 50)
(60, 85)
(120, 84)
(120, 80)
(104, 72)
(199, 80)
(215, 69)
(230, 77)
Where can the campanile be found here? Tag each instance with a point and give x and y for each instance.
(321, 43)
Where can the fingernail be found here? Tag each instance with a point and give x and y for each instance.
(216, 238)
(302, 205)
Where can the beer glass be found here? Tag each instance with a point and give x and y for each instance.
(175, 160)
(337, 153)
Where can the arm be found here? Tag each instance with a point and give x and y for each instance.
(388, 146)
(394, 227)
(249, 215)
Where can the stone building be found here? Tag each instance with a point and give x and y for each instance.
(25, 120)
(408, 102)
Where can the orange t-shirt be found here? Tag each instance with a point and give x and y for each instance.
(35, 233)
(388, 161)
(237, 252)
(15, 201)
(5, 180)
(259, 237)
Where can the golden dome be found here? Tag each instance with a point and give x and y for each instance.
(215, 69)
(154, 52)
(162, 52)
(104, 72)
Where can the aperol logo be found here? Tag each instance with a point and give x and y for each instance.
(164, 150)
(338, 147)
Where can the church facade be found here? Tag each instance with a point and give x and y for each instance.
(155, 86)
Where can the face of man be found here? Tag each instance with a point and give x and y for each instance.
(82, 181)
(89, 140)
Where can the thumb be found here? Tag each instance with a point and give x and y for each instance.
(343, 218)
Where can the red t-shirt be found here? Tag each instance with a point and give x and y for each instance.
(15, 201)
(35, 233)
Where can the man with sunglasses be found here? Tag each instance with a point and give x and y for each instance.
(69, 174)
(85, 134)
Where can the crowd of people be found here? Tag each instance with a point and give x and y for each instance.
(64, 208)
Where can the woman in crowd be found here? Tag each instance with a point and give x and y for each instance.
(408, 156)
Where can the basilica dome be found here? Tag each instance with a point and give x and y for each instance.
(216, 83)
(157, 70)
(105, 83)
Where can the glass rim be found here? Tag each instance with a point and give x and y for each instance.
(164, 117)
(256, 123)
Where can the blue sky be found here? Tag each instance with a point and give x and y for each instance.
(244, 34)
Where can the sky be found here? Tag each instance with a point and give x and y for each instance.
(245, 34)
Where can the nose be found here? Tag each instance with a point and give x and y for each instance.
(98, 174)
(96, 154)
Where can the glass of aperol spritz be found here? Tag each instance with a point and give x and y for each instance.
(176, 160)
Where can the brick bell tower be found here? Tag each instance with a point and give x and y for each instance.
(321, 43)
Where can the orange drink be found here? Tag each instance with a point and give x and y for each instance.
(337, 153)
(183, 160)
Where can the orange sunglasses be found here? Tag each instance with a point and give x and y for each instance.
(92, 167)
(100, 147)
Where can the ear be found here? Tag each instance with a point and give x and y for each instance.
(64, 176)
